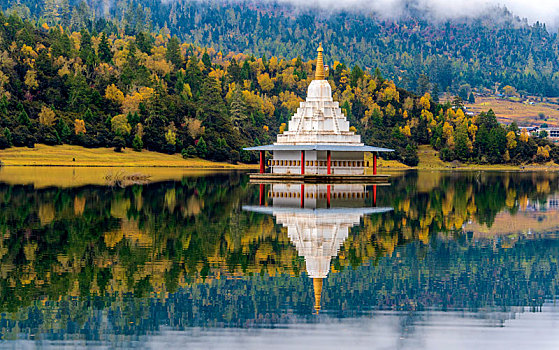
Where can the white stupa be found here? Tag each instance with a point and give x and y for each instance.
(319, 120)
(318, 139)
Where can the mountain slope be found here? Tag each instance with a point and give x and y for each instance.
(496, 48)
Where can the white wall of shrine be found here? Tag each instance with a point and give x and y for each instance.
(315, 195)
(342, 163)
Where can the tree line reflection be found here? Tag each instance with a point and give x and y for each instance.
(185, 252)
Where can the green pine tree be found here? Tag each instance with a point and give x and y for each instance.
(105, 53)
(173, 52)
(23, 118)
(8, 136)
(201, 148)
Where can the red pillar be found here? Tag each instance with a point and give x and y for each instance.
(328, 196)
(329, 163)
(374, 195)
(374, 163)
(261, 194)
(302, 162)
(261, 162)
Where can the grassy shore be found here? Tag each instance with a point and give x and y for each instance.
(429, 160)
(76, 156)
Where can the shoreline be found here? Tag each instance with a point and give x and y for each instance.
(68, 156)
(193, 167)
(242, 167)
(475, 168)
(81, 157)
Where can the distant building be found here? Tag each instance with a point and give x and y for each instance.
(532, 130)
(552, 133)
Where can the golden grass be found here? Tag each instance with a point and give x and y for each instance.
(76, 156)
(508, 111)
(429, 160)
(61, 176)
(384, 163)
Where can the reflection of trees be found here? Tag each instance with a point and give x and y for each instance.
(153, 240)
(428, 203)
(450, 275)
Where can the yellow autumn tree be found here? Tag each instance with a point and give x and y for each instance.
(132, 102)
(448, 133)
(120, 125)
(472, 130)
(47, 116)
(289, 100)
(79, 126)
(425, 101)
(31, 79)
(171, 135)
(524, 135)
(265, 82)
(405, 130)
(543, 151)
(113, 93)
(460, 116)
(511, 140)
(390, 93)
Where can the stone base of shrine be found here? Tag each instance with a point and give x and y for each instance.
(318, 178)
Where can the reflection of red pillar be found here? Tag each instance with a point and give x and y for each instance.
(261, 194)
(261, 162)
(374, 195)
(302, 162)
(302, 196)
(329, 163)
(374, 163)
(328, 196)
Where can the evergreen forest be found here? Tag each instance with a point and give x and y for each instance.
(104, 83)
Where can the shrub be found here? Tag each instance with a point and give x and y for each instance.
(137, 144)
(4, 142)
(447, 154)
(119, 143)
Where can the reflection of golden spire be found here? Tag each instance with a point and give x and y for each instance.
(317, 284)
(319, 75)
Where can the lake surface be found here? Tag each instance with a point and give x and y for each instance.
(435, 260)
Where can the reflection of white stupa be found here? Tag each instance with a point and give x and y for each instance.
(318, 219)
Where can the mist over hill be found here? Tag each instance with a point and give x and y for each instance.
(404, 38)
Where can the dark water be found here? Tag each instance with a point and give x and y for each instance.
(433, 261)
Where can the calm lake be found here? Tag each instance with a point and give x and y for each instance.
(200, 260)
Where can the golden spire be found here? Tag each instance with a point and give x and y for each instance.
(317, 284)
(319, 75)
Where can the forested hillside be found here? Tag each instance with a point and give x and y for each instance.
(498, 48)
(152, 91)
